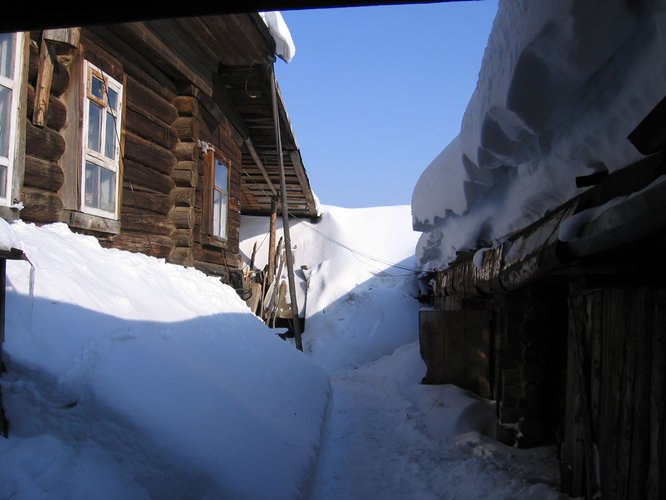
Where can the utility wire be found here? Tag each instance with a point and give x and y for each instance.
(336, 242)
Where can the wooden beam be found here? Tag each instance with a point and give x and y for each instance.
(259, 163)
(285, 220)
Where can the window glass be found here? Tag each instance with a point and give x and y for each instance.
(5, 117)
(94, 127)
(8, 110)
(3, 181)
(6, 55)
(220, 199)
(110, 139)
(221, 174)
(97, 88)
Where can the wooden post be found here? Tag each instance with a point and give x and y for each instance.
(271, 240)
(3, 264)
(43, 86)
(285, 217)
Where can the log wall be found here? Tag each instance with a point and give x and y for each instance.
(200, 121)
(161, 198)
(44, 145)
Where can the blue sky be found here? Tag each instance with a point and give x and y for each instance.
(376, 93)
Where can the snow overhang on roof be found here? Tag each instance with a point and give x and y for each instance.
(284, 44)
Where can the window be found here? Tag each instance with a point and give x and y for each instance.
(216, 195)
(101, 143)
(220, 199)
(9, 89)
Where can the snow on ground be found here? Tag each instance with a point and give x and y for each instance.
(131, 378)
(561, 86)
(389, 436)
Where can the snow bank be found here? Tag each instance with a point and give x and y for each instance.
(561, 86)
(128, 377)
(360, 278)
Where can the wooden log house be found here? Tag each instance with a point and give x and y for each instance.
(569, 337)
(152, 136)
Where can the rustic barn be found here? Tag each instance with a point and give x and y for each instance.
(152, 136)
(569, 337)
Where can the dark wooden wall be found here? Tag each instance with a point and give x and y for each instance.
(616, 393)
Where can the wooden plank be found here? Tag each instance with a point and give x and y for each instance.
(43, 85)
(656, 479)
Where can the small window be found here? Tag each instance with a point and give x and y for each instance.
(101, 143)
(220, 199)
(9, 90)
(216, 196)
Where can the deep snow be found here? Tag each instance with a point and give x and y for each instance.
(128, 377)
(561, 87)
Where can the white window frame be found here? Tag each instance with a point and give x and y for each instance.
(13, 84)
(98, 157)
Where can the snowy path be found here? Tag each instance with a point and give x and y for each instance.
(380, 444)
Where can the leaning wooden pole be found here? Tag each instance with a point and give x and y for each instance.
(285, 217)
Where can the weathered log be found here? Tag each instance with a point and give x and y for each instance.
(155, 131)
(183, 196)
(181, 256)
(146, 178)
(186, 105)
(56, 115)
(211, 269)
(182, 237)
(183, 217)
(185, 178)
(43, 174)
(40, 206)
(187, 128)
(44, 143)
(147, 222)
(187, 151)
(148, 153)
(145, 200)
(150, 244)
(149, 101)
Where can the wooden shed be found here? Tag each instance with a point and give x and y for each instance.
(569, 337)
(152, 136)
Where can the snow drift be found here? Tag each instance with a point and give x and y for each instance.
(155, 379)
(561, 86)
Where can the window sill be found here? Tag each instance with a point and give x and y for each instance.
(94, 223)
(213, 241)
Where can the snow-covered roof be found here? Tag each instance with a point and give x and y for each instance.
(561, 87)
(277, 27)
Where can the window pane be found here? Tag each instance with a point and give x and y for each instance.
(107, 184)
(223, 217)
(94, 127)
(97, 88)
(100, 188)
(91, 188)
(3, 182)
(7, 55)
(216, 212)
(221, 174)
(110, 139)
(5, 116)
(112, 96)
